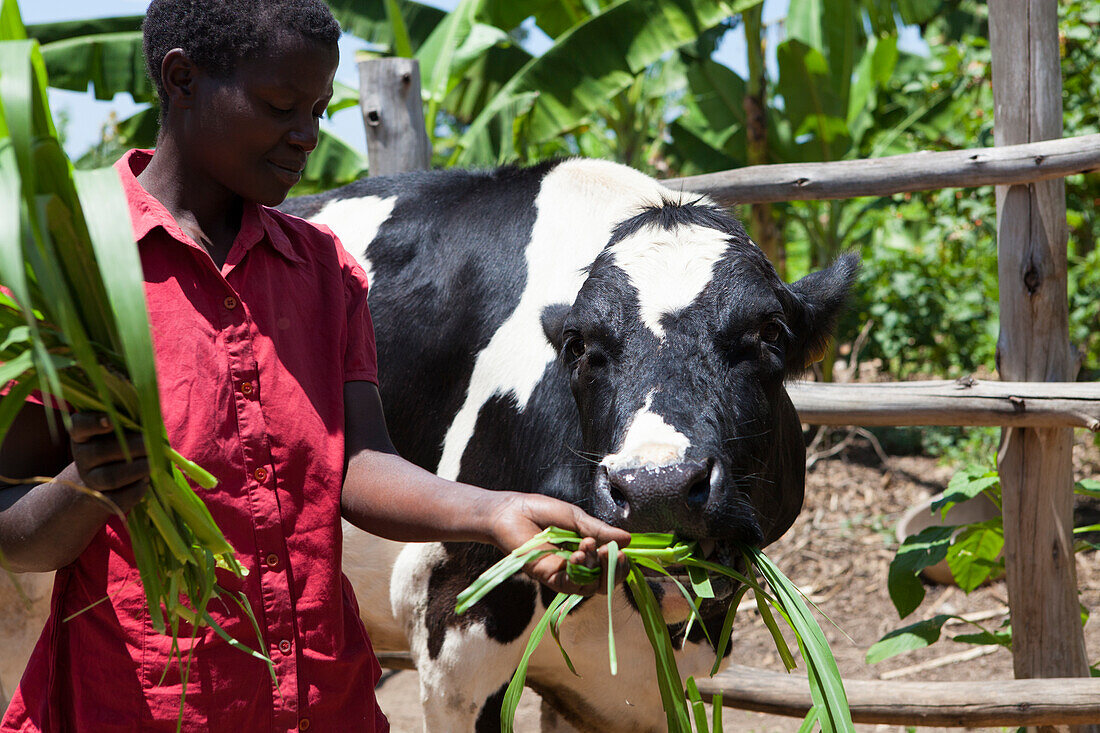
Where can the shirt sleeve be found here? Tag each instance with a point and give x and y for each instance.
(361, 355)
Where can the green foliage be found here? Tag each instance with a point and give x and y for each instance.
(973, 554)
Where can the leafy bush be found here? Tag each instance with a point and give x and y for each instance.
(973, 554)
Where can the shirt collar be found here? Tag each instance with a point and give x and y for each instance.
(258, 223)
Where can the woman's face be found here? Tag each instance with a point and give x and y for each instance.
(252, 130)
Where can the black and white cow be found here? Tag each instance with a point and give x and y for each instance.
(579, 330)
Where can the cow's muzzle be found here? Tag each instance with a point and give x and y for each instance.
(660, 498)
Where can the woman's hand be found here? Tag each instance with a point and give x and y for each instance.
(101, 462)
(519, 517)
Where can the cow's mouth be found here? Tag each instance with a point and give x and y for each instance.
(719, 552)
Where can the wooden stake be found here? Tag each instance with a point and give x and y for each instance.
(1035, 466)
(389, 95)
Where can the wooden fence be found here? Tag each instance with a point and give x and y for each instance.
(1038, 402)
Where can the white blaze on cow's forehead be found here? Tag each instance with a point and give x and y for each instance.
(669, 267)
(578, 204)
(356, 222)
(649, 441)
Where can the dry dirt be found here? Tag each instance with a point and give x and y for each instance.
(840, 549)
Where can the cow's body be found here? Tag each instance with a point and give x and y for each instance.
(520, 350)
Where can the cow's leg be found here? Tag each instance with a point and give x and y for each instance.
(463, 692)
(464, 662)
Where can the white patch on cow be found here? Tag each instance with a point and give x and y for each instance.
(669, 267)
(649, 441)
(356, 222)
(579, 202)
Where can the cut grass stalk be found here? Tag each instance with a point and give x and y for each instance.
(657, 552)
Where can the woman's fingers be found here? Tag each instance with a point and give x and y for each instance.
(100, 459)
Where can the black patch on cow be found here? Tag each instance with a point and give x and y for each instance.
(449, 268)
(536, 450)
(504, 612)
(488, 719)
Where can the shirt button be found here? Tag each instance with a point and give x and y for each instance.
(272, 560)
(260, 474)
(284, 646)
(230, 302)
(246, 388)
(303, 724)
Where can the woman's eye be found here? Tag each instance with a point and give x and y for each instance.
(770, 332)
(279, 110)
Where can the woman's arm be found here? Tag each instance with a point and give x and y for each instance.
(46, 525)
(388, 496)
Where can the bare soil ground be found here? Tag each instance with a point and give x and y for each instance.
(840, 549)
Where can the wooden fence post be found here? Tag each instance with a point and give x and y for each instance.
(393, 112)
(1035, 464)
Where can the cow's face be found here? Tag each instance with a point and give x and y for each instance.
(676, 350)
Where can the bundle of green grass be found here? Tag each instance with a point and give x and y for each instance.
(660, 553)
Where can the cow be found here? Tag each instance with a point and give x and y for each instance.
(577, 329)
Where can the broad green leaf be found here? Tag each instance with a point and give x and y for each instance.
(1087, 487)
(439, 54)
(908, 638)
(917, 552)
(11, 22)
(482, 79)
(110, 62)
(829, 27)
(46, 33)
(367, 19)
(811, 103)
(402, 44)
(965, 485)
(343, 97)
(593, 62)
(974, 554)
(874, 69)
(1001, 637)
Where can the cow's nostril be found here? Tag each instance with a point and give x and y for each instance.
(618, 497)
(698, 492)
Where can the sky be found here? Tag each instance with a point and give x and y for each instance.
(86, 115)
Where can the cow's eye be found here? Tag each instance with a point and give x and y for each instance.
(770, 332)
(575, 347)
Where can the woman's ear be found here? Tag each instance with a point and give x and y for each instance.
(177, 74)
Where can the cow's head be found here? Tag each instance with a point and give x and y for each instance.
(676, 349)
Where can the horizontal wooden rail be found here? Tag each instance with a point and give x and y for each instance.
(961, 402)
(1065, 701)
(957, 704)
(923, 171)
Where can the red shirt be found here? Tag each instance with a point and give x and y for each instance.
(251, 363)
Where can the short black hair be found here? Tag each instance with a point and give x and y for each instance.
(216, 34)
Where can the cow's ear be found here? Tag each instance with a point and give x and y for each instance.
(553, 319)
(820, 298)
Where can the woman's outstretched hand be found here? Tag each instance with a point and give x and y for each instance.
(519, 517)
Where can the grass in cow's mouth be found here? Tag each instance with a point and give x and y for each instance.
(652, 554)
